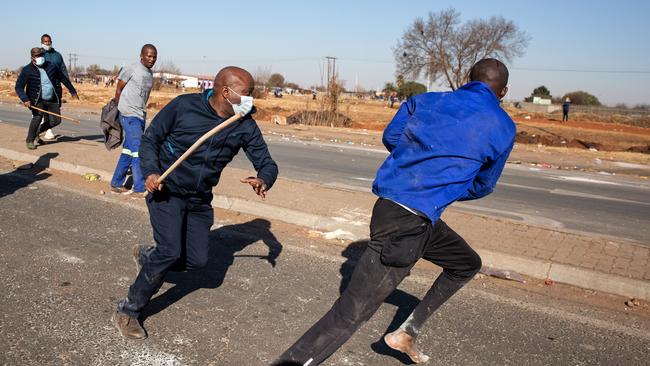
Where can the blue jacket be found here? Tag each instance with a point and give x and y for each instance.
(55, 57)
(445, 147)
(183, 121)
(28, 84)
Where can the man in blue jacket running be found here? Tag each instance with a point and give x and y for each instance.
(444, 147)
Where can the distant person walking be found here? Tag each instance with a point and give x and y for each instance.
(131, 95)
(39, 85)
(565, 109)
(53, 56)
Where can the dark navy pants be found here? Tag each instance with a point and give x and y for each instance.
(393, 230)
(181, 226)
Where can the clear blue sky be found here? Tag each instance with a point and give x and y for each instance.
(293, 37)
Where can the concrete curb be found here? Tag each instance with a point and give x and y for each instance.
(571, 275)
(562, 273)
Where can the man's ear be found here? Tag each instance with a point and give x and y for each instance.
(225, 92)
(503, 93)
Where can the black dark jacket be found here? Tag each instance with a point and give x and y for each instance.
(28, 84)
(183, 121)
(111, 126)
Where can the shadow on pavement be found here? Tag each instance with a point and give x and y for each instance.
(404, 302)
(225, 242)
(97, 138)
(25, 175)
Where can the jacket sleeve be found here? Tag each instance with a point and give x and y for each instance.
(393, 131)
(64, 79)
(20, 85)
(154, 137)
(64, 70)
(258, 153)
(487, 177)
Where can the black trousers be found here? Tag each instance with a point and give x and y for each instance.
(393, 230)
(565, 116)
(37, 116)
(181, 229)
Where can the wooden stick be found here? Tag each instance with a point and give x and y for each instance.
(54, 114)
(198, 143)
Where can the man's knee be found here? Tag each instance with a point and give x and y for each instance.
(196, 263)
(162, 255)
(470, 268)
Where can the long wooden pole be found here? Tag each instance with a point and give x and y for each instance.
(198, 143)
(54, 114)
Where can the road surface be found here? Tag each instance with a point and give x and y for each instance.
(65, 261)
(588, 202)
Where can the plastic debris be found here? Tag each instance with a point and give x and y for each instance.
(632, 302)
(502, 273)
(339, 234)
(548, 282)
(91, 177)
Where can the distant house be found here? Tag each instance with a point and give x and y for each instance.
(186, 81)
(542, 101)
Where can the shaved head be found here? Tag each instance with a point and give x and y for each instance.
(233, 76)
(146, 47)
(230, 84)
(492, 72)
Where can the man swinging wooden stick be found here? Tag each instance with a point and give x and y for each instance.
(179, 207)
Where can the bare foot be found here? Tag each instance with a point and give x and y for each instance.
(399, 340)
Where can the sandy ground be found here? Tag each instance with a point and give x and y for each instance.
(534, 130)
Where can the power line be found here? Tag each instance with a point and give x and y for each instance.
(369, 60)
(582, 70)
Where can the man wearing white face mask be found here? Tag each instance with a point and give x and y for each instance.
(53, 56)
(180, 209)
(39, 84)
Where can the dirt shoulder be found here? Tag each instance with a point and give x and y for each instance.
(545, 142)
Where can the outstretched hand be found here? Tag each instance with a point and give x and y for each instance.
(258, 185)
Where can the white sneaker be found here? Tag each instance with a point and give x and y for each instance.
(49, 135)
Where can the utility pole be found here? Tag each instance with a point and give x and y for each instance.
(331, 70)
(72, 62)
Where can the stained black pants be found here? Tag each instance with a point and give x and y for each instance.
(394, 232)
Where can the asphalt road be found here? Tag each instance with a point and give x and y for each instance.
(65, 261)
(588, 202)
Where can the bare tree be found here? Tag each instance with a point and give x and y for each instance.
(440, 48)
(262, 75)
(167, 66)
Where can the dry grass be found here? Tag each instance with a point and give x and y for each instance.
(375, 115)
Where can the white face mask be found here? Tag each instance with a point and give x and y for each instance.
(46, 47)
(39, 61)
(245, 105)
